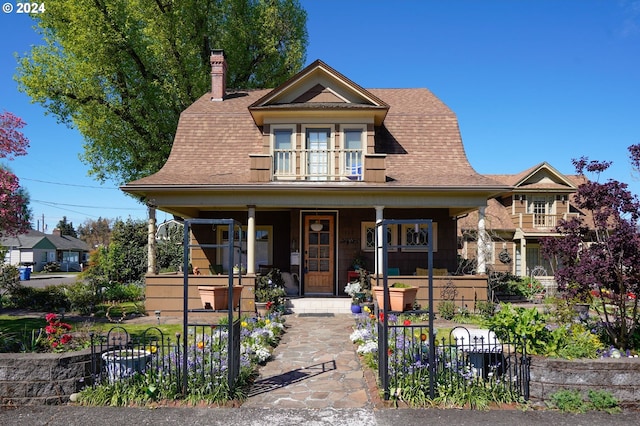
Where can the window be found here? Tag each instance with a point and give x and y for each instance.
(416, 237)
(368, 240)
(283, 152)
(542, 209)
(353, 154)
(262, 247)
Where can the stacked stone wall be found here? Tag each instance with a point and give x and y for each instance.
(42, 378)
(619, 376)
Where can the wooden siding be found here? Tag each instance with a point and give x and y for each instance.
(165, 292)
(468, 289)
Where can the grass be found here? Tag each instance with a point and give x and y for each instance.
(20, 324)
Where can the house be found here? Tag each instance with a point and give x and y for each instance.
(516, 220)
(35, 249)
(308, 168)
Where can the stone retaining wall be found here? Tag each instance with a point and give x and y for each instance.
(620, 376)
(43, 378)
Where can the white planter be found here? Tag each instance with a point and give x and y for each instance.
(123, 363)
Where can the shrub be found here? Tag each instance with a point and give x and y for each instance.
(485, 308)
(51, 267)
(569, 401)
(82, 298)
(447, 309)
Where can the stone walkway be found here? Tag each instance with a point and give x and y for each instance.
(314, 366)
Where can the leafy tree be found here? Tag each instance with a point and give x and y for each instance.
(15, 215)
(122, 71)
(96, 232)
(602, 256)
(66, 228)
(126, 260)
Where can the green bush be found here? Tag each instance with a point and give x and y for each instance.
(51, 267)
(447, 309)
(123, 292)
(82, 298)
(569, 401)
(485, 308)
(515, 322)
(50, 298)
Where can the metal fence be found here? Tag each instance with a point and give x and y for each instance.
(212, 359)
(464, 360)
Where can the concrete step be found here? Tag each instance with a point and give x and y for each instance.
(322, 305)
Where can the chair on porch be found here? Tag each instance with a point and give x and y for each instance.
(393, 272)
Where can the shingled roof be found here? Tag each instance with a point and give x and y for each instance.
(420, 136)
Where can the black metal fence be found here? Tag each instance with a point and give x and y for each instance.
(466, 360)
(212, 359)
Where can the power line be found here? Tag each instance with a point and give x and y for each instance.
(52, 204)
(68, 184)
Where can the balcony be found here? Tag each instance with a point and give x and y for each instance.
(318, 165)
(540, 221)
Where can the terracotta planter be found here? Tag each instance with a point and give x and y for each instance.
(401, 299)
(216, 297)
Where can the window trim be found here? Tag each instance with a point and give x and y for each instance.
(365, 226)
(421, 248)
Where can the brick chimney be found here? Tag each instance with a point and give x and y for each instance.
(218, 75)
(57, 232)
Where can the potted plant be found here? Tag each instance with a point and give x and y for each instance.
(270, 292)
(359, 263)
(354, 289)
(122, 363)
(216, 297)
(401, 296)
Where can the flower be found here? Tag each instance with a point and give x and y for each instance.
(57, 336)
(352, 289)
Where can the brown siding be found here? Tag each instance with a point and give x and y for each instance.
(165, 292)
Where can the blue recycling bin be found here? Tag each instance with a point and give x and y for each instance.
(25, 274)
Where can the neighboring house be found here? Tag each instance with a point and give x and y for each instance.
(317, 150)
(516, 220)
(167, 228)
(35, 249)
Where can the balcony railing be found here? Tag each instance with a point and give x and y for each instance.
(541, 221)
(318, 164)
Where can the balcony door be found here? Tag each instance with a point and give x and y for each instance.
(319, 249)
(317, 144)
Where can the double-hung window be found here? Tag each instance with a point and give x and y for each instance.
(353, 154)
(283, 153)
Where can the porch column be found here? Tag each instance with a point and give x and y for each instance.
(482, 243)
(523, 257)
(378, 260)
(251, 241)
(151, 241)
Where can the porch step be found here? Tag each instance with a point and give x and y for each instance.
(321, 305)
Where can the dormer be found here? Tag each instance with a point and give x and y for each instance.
(319, 126)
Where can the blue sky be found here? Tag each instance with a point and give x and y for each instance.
(530, 81)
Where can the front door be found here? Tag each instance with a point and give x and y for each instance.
(319, 254)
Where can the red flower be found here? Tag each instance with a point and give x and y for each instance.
(390, 351)
(50, 317)
(66, 338)
(407, 323)
(269, 305)
(50, 329)
(381, 316)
